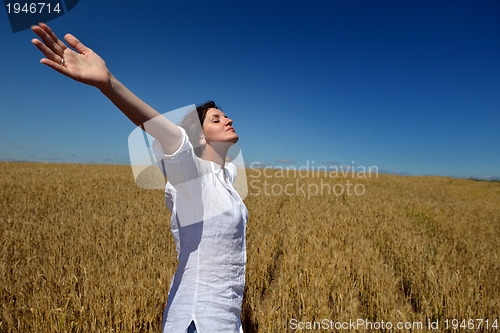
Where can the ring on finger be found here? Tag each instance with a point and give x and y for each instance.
(62, 61)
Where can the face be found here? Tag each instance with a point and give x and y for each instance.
(217, 127)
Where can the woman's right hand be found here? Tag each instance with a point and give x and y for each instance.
(83, 65)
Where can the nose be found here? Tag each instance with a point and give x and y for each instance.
(229, 121)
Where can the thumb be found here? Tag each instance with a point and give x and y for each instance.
(75, 43)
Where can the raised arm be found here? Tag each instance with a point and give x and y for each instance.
(87, 67)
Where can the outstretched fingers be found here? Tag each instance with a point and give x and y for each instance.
(50, 39)
(47, 52)
(52, 35)
(51, 59)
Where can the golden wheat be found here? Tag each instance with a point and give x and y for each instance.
(83, 249)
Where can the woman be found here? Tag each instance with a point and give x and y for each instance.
(208, 216)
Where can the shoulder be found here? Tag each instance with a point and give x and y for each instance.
(185, 146)
(178, 162)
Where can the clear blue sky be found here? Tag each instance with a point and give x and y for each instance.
(407, 86)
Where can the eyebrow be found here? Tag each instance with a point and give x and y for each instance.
(217, 116)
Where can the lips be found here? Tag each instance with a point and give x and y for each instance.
(230, 129)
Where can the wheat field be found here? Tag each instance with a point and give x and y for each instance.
(84, 249)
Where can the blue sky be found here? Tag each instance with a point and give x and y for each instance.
(407, 86)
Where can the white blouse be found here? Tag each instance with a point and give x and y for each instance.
(208, 224)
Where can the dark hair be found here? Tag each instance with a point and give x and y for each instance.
(193, 124)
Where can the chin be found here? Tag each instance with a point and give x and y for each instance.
(235, 139)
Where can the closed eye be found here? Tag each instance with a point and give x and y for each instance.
(215, 118)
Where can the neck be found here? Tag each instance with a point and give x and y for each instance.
(216, 152)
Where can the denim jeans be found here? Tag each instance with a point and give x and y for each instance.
(191, 328)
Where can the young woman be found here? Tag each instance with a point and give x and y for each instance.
(208, 216)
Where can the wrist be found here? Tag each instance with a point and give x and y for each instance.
(107, 86)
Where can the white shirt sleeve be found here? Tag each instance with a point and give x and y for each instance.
(172, 165)
(184, 172)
